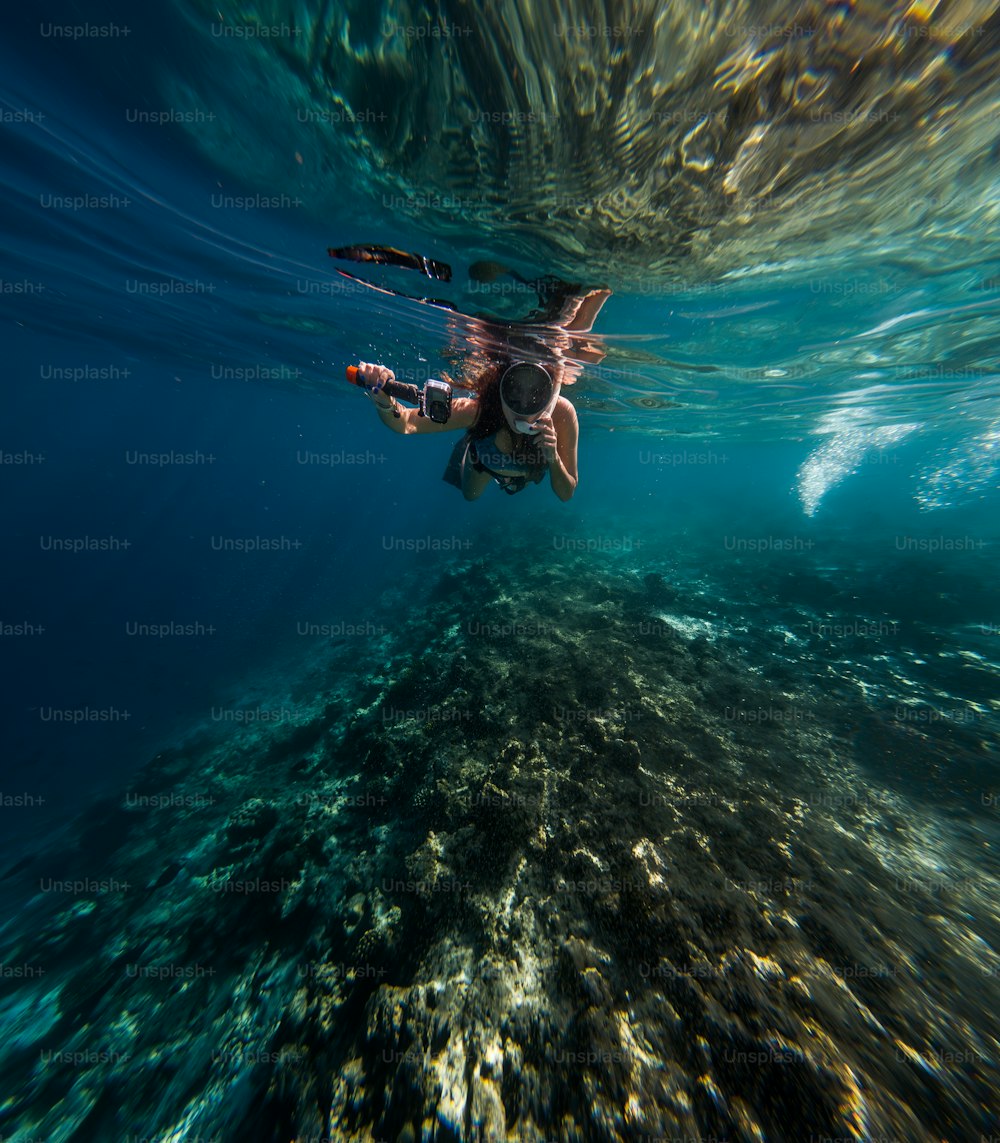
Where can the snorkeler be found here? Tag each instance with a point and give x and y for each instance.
(519, 426)
(518, 429)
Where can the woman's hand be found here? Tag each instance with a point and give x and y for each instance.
(546, 437)
(373, 377)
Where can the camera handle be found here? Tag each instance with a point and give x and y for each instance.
(408, 393)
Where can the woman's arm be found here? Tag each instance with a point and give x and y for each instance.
(558, 440)
(400, 419)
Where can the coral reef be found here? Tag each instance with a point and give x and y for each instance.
(543, 862)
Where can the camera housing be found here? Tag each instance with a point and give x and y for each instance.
(436, 401)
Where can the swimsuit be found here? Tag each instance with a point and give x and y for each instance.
(484, 456)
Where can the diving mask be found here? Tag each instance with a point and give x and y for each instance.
(527, 392)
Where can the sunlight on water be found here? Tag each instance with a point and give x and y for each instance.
(846, 450)
(962, 472)
(686, 140)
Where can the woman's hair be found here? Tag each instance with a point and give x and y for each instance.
(486, 382)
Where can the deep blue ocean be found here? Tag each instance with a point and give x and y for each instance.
(742, 690)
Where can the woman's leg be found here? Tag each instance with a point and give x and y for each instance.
(474, 483)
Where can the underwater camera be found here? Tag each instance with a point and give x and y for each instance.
(436, 401)
(433, 401)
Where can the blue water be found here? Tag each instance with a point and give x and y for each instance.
(821, 436)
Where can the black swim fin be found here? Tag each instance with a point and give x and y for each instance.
(390, 256)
